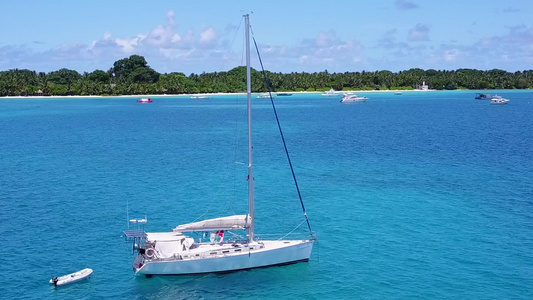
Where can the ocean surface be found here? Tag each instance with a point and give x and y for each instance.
(425, 195)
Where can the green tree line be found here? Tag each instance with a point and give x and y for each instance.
(133, 76)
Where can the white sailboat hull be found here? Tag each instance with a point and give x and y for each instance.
(272, 253)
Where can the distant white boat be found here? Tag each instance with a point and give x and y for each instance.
(330, 93)
(264, 96)
(145, 100)
(197, 97)
(398, 93)
(497, 100)
(352, 98)
(71, 278)
(138, 221)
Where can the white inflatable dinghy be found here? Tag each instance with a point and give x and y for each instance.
(71, 278)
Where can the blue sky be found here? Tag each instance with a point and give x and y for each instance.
(293, 36)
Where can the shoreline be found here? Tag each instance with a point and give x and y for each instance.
(228, 94)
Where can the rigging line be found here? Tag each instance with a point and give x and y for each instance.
(128, 212)
(236, 162)
(243, 51)
(281, 133)
(230, 46)
(237, 129)
(290, 232)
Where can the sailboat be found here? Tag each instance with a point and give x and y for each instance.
(177, 253)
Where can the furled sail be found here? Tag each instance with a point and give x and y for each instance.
(223, 223)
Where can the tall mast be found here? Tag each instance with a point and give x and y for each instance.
(249, 104)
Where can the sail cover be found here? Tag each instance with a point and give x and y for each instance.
(223, 223)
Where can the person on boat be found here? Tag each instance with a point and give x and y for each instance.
(221, 235)
(55, 280)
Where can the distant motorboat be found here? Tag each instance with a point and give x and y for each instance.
(284, 94)
(264, 96)
(352, 98)
(482, 96)
(398, 93)
(498, 100)
(145, 100)
(330, 93)
(198, 97)
(138, 221)
(71, 278)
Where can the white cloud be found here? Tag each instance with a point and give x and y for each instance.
(168, 49)
(324, 39)
(515, 47)
(208, 37)
(163, 39)
(303, 60)
(176, 38)
(176, 53)
(128, 45)
(405, 5)
(451, 55)
(170, 17)
(512, 51)
(389, 38)
(162, 36)
(325, 51)
(419, 33)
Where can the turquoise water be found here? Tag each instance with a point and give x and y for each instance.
(419, 196)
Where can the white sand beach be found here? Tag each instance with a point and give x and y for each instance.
(203, 94)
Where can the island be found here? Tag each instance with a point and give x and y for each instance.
(133, 76)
